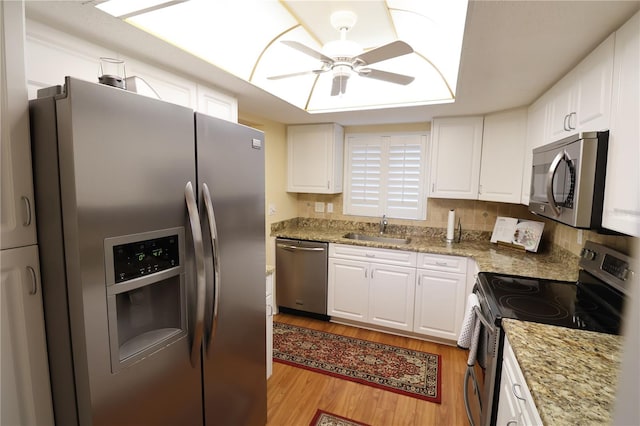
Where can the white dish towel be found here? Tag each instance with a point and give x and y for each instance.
(470, 331)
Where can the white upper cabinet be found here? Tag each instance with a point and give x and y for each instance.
(315, 158)
(581, 101)
(621, 196)
(456, 146)
(52, 55)
(17, 216)
(536, 119)
(503, 145)
(217, 104)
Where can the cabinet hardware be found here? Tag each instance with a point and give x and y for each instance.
(365, 273)
(328, 184)
(438, 263)
(27, 211)
(513, 389)
(34, 281)
(565, 126)
(573, 114)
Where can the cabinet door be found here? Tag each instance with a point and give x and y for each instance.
(503, 144)
(348, 289)
(26, 391)
(593, 90)
(536, 120)
(315, 158)
(561, 106)
(621, 210)
(391, 296)
(455, 157)
(439, 303)
(217, 104)
(17, 221)
(508, 410)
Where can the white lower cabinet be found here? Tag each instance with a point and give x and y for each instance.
(25, 390)
(515, 404)
(391, 295)
(439, 300)
(395, 289)
(371, 292)
(440, 295)
(348, 289)
(372, 286)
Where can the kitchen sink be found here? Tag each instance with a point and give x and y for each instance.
(377, 238)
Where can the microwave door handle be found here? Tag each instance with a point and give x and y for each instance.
(196, 231)
(215, 289)
(552, 170)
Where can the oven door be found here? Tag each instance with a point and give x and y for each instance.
(480, 379)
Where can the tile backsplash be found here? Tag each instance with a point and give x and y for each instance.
(474, 215)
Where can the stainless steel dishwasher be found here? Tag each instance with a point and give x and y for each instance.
(301, 277)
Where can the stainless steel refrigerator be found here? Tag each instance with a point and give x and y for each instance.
(151, 232)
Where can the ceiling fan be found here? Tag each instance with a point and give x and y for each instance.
(345, 57)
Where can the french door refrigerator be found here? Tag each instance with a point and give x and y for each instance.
(151, 231)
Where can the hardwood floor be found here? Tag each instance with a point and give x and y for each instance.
(294, 394)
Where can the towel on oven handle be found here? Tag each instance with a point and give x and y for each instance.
(469, 322)
(470, 331)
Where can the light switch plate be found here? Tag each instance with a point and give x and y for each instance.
(319, 208)
(329, 207)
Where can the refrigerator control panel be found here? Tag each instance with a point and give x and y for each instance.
(136, 259)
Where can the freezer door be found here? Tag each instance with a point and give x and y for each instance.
(116, 255)
(230, 161)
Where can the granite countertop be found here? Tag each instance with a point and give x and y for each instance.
(572, 374)
(554, 264)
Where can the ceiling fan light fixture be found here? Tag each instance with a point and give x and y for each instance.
(343, 19)
(341, 49)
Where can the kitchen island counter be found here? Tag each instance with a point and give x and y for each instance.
(571, 374)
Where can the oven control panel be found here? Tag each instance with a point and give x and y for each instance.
(612, 267)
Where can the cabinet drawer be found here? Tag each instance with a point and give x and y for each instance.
(437, 262)
(389, 257)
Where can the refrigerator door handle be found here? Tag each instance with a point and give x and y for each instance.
(215, 284)
(196, 231)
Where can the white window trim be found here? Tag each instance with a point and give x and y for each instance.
(385, 141)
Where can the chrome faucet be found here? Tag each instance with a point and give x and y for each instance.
(383, 224)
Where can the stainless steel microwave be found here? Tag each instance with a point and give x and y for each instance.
(567, 179)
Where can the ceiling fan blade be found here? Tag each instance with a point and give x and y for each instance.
(382, 53)
(391, 77)
(295, 74)
(339, 85)
(307, 51)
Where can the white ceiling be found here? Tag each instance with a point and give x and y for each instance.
(512, 52)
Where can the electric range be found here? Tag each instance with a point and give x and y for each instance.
(594, 302)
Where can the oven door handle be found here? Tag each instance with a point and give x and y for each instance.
(484, 320)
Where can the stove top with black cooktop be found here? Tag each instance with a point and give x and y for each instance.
(587, 304)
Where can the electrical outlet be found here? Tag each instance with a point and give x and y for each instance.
(329, 207)
(319, 208)
(272, 209)
(579, 237)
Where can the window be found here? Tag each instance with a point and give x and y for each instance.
(385, 174)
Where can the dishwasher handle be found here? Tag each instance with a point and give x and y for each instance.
(290, 247)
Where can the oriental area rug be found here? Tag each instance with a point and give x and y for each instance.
(322, 418)
(391, 368)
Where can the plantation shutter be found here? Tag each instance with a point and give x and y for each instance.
(364, 164)
(385, 174)
(405, 177)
